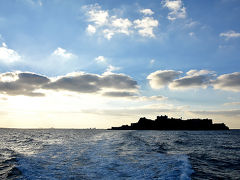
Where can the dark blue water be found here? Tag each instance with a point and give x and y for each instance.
(102, 154)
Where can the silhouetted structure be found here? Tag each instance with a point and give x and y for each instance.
(165, 123)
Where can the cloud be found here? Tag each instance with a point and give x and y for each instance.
(34, 2)
(230, 35)
(92, 83)
(151, 98)
(112, 84)
(60, 52)
(228, 82)
(159, 79)
(153, 109)
(100, 59)
(147, 11)
(29, 84)
(77, 82)
(191, 34)
(8, 55)
(32, 79)
(191, 24)
(122, 25)
(91, 29)
(232, 112)
(110, 25)
(106, 24)
(96, 15)
(176, 8)
(111, 68)
(194, 79)
(119, 94)
(19, 83)
(170, 78)
(131, 95)
(152, 61)
(117, 81)
(232, 104)
(145, 26)
(117, 26)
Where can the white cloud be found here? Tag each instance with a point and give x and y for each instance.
(108, 33)
(230, 34)
(226, 113)
(145, 26)
(194, 72)
(40, 3)
(191, 34)
(228, 82)
(232, 104)
(120, 94)
(176, 8)
(100, 59)
(159, 79)
(8, 55)
(150, 98)
(111, 68)
(108, 26)
(191, 24)
(9, 77)
(96, 15)
(60, 52)
(117, 26)
(34, 2)
(91, 29)
(143, 110)
(122, 25)
(147, 11)
(152, 61)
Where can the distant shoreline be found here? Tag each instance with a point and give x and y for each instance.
(165, 123)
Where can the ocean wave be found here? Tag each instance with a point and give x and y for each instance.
(106, 155)
(8, 164)
(100, 154)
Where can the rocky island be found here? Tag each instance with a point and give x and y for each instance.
(165, 123)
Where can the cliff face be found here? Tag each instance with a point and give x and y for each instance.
(165, 123)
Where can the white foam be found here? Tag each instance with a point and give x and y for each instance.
(106, 155)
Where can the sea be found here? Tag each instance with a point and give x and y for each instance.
(107, 154)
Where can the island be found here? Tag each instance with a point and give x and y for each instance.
(165, 123)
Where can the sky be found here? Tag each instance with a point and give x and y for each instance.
(98, 64)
